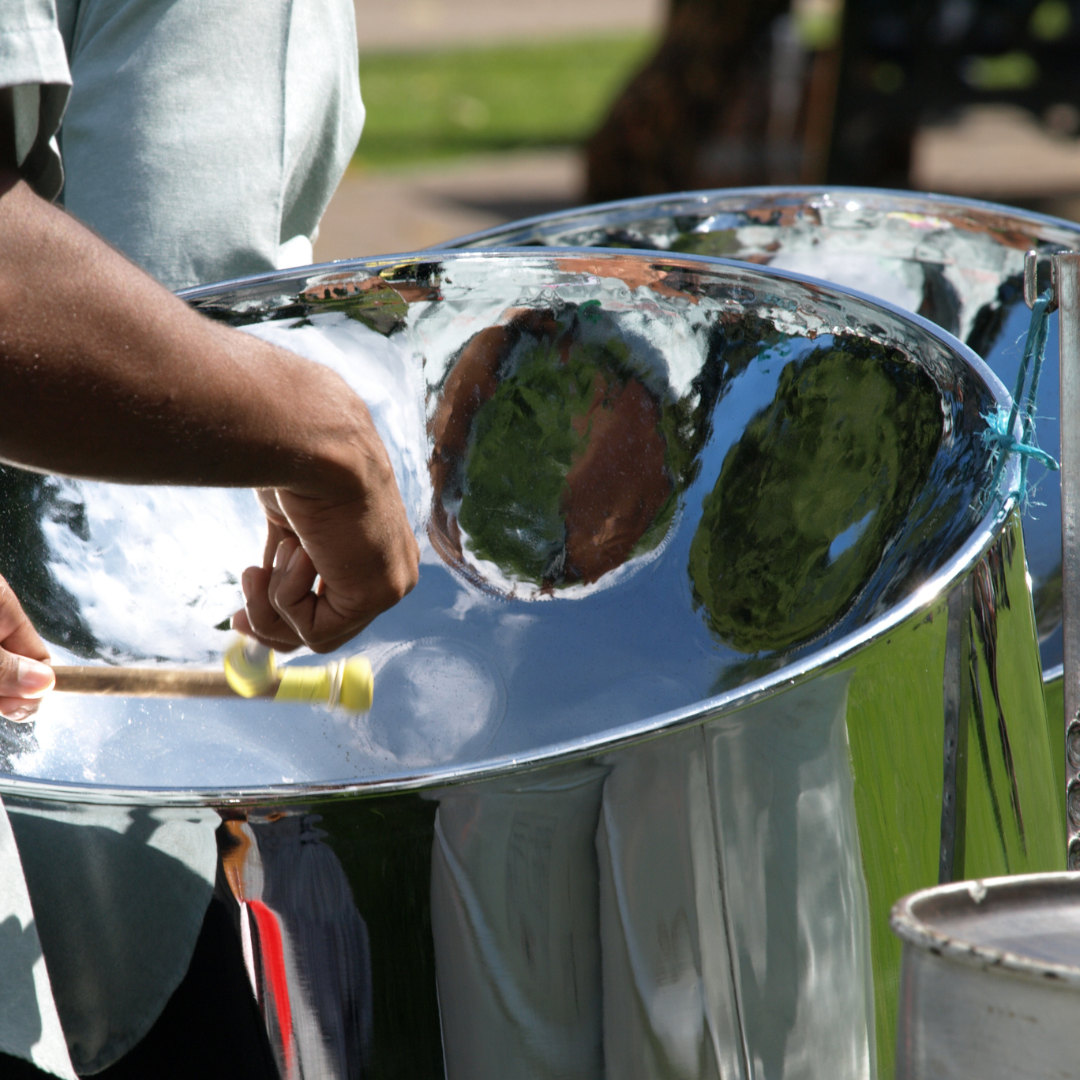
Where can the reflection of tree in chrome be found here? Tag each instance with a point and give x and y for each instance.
(554, 449)
(548, 492)
(808, 499)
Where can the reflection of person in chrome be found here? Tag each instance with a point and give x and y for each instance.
(297, 918)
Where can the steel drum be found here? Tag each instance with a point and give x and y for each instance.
(991, 979)
(723, 640)
(958, 262)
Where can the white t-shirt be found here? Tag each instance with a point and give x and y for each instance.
(202, 138)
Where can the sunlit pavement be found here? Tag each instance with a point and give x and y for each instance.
(409, 25)
(1003, 154)
(995, 153)
(404, 210)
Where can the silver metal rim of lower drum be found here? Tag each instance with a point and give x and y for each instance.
(915, 930)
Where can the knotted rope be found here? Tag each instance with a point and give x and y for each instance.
(1002, 422)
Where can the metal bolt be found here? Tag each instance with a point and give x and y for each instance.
(1074, 854)
(1074, 803)
(1072, 743)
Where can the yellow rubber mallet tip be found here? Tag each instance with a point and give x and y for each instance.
(357, 685)
(251, 671)
(347, 684)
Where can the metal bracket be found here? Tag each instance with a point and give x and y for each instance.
(1031, 279)
(1066, 284)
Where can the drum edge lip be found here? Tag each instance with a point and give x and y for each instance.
(758, 192)
(199, 293)
(955, 568)
(915, 931)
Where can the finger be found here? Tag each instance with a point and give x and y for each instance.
(23, 677)
(16, 631)
(291, 586)
(17, 710)
(242, 625)
(275, 533)
(262, 621)
(268, 498)
(311, 613)
(318, 641)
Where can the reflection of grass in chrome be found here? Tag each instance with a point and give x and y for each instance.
(524, 442)
(385, 847)
(811, 494)
(425, 106)
(1047, 600)
(896, 732)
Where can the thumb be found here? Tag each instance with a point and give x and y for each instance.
(21, 677)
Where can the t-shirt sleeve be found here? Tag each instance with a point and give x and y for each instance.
(33, 61)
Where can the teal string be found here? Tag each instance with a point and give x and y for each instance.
(1002, 422)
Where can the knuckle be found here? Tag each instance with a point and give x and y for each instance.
(264, 620)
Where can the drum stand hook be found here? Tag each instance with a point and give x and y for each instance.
(1065, 286)
(1031, 280)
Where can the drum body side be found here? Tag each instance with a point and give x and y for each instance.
(709, 902)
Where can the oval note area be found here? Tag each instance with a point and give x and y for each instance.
(812, 493)
(552, 459)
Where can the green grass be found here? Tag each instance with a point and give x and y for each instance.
(895, 733)
(433, 106)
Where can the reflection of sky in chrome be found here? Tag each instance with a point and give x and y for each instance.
(437, 697)
(387, 375)
(899, 281)
(161, 566)
(436, 700)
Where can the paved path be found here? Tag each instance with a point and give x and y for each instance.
(381, 212)
(1001, 153)
(397, 25)
(400, 210)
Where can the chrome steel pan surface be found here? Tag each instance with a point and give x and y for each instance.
(722, 642)
(958, 262)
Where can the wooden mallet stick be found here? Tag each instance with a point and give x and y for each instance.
(249, 670)
(142, 682)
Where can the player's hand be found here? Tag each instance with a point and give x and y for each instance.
(25, 675)
(356, 540)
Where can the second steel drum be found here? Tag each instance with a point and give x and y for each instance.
(991, 979)
(958, 262)
(722, 642)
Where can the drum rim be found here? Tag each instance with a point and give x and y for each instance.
(980, 539)
(916, 931)
(761, 193)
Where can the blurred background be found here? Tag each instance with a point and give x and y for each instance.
(481, 111)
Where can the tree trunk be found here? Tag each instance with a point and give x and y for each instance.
(697, 115)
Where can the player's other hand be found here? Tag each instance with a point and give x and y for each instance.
(353, 536)
(25, 675)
